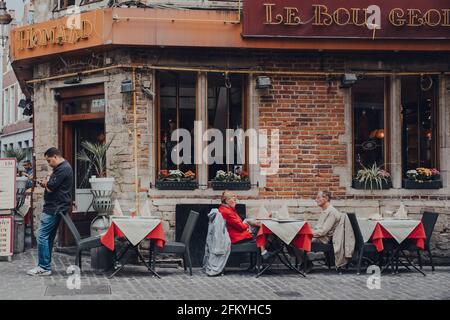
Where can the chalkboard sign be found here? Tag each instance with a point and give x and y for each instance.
(7, 184)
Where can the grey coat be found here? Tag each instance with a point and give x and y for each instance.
(218, 244)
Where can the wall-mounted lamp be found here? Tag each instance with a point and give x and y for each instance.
(147, 91)
(263, 82)
(348, 79)
(127, 86)
(5, 19)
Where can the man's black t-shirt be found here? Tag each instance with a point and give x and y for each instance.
(60, 184)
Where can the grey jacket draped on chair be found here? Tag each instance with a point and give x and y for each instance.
(343, 241)
(218, 244)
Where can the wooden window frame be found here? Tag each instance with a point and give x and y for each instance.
(387, 125)
(435, 116)
(245, 120)
(158, 119)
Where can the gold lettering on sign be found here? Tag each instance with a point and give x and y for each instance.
(321, 15)
(31, 38)
(427, 18)
(291, 16)
(396, 17)
(356, 16)
(269, 13)
(446, 19)
(337, 16)
(414, 19)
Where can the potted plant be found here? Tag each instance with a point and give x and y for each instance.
(19, 155)
(373, 178)
(176, 180)
(95, 155)
(231, 181)
(423, 178)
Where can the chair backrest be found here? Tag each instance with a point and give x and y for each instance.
(72, 228)
(429, 221)
(359, 241)
(189, 227)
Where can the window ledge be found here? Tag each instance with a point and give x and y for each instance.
(201, 193)
(399, 192)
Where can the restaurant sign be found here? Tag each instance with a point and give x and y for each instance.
(400, 19)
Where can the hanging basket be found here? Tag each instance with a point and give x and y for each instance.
(235, 185)
(176, 185)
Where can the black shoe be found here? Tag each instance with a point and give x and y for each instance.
(268, 254)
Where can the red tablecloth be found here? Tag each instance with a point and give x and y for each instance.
(157, 234)
(301, 241)
(381, 233)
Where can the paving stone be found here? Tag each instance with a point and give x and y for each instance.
(135, 282)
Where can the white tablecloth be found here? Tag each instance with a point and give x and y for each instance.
(399, 229)
(286, 231)
(135, 229)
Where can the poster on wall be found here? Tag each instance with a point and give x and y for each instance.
(6, 233)
(7, 184)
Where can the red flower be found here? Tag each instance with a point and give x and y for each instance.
(244, 174)
(164, 173)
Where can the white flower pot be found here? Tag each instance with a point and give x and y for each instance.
(21, 182)
(101, 184)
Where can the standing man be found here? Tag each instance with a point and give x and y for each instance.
(57, 198)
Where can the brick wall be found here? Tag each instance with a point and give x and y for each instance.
(310, 112)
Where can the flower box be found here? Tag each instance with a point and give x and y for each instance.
(234, 185)
(356, 184)
(427, 184)
(176, 185)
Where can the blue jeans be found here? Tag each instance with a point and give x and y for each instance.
(46, 237)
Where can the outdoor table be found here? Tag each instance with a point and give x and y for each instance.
(134, 230)
(291, 232)
(396, 229)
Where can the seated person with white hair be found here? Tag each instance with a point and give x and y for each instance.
(328, 220)
(238, 230)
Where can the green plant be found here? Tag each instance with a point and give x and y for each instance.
(17, 153)
(373, 176)
(95, 155)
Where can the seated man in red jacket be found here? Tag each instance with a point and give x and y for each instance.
(239, 231)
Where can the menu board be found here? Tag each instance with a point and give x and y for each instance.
(7, 184)
(6, 244)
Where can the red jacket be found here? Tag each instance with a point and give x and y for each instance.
(236, 228)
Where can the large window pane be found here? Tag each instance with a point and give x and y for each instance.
(368, 122)
(177, 102)
(225, 111)
(419, 110)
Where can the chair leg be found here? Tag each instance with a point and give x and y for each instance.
(188, 258)
(79, 260)
(258, 263)
(184, 262)
(419, 258)
(431, 260)
(361, 254)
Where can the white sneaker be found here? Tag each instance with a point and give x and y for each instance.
(38, 271)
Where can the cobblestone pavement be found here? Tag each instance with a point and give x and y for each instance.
(134, 282)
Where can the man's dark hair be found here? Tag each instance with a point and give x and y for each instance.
(27, 162)
(52, 152)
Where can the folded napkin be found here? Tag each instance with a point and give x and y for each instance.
(117, 211)
(375, 216)
(283, 213)
(401, 213)
(262, 213)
